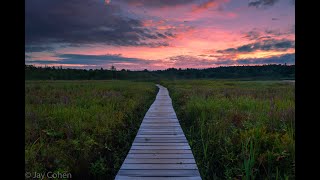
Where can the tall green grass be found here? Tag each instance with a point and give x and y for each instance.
(238, 129)
(82, 127)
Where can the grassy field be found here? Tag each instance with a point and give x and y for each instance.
(238, 129)
(82, 127)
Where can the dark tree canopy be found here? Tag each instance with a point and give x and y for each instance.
(264, 72)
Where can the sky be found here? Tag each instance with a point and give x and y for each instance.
(159, 34)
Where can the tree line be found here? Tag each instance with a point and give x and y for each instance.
(267, 72)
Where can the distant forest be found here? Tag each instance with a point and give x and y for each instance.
(263, 72)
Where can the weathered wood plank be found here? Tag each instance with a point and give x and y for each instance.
(163, 124)
(159, 144)
(158, 172)
(160, 151)
(160, 121)
(160, 156)
(160, 133)
(160, 161)
(159, 166)
(157, 138)
(160, 147)
(160, 136)
(160, 130)
(158, 178)
(160, 127)
(164, 118)
(161, 140)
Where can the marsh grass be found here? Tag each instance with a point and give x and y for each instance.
(82, 127)
(238, 129)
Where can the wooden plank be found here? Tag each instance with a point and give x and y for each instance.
(159, 161)
(177, 125)
(159, 144)
(152, 118)
(146, 126)
(160, 136)
(159, 130)
(157, 109)
(160, 121)
(159, 166)
(155, 125)
(159, 172)
(159, 127)
(160, 133)
(160, 156)
(160, 147)
(160, 151)
(160, 114)
(162, 124)
(157, 178)
(161, 140)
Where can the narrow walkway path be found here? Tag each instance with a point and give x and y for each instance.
(160, 149)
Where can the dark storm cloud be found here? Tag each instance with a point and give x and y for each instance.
(287, 58)
(266, 45)
(88, 59)
(84, 22)
(262, 3)
(38, 48)
(157, 3)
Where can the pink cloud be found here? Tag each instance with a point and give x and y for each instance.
(206, 5)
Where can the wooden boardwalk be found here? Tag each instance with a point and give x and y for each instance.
(160, 150)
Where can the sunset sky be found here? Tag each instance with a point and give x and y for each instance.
(159, 34)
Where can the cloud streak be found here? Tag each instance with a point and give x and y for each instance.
(286, 58)
(262, 3)
(157, 3)
(265, 45)
(88, 59)
(182, 61)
